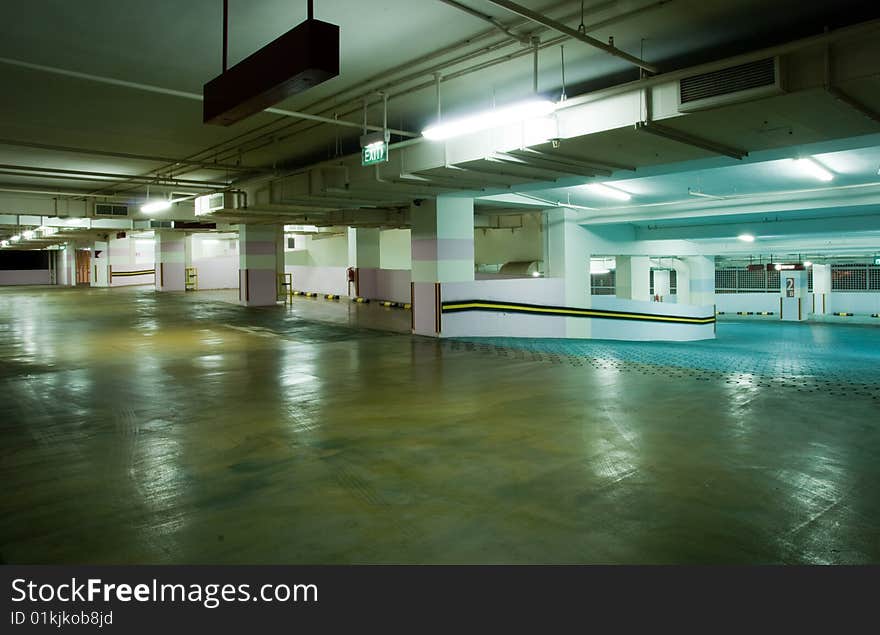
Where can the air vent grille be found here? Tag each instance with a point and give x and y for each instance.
(735, 79)
(161, 224)
(109, 209)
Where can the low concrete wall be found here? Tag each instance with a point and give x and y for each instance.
(319, 279)
(548, 293)
(10, 277)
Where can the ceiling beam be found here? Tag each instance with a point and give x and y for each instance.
(689, 139)
(572, 33)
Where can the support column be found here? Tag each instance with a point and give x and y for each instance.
(67, 266)
(567, 256)
(363, 256)
(100, 264)
(170, 261)
(258, 247)
(633, 278)
(821, 288)
(442, 251)
(793, 296)
(702, 280)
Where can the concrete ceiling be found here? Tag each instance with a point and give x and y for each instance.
(60, 113)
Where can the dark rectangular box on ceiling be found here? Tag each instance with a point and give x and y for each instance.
(303, 57)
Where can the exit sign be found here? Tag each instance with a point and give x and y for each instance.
(374, 153)
(877, 261)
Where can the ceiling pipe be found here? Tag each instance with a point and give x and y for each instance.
(150, 88)
(487, 18)
(572, 33)
(76, 174)
(126, 155)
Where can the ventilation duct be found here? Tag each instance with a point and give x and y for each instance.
(734, 84)
(110, 209)
(210, 203)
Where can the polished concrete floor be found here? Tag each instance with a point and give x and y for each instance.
(171, 428)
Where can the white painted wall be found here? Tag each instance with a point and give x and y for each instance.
(849, 302)
(319, 279)
(551, 291)
(216, 260)
(395, 249)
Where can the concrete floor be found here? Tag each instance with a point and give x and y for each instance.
(139, 427)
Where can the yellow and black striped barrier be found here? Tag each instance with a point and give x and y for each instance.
(129, 274)
(460, 306)
(360, 300)
(843, 314)
(331, 296)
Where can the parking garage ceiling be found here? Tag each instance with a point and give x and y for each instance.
(99, 101)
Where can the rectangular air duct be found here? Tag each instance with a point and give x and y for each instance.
(734, 84)
(305, 56)
(210, 203)
(110, 209)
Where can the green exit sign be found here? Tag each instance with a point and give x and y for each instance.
(374, 153)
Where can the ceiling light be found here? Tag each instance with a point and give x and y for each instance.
(15, 238)
(609, 192)
(515, 113)
(746, 238)
(777, 267)
(807, 263)
(4, 243)
(28, 234)
(810, 168)
(155, 206)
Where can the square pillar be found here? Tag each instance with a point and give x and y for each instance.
(633, 278)
(442, 251)
(100, 264)
(702, 280)
(363, 257)
(793, 296)
(259, 263)
(567, 256)
(170, 261)
(66, 266)
(821, 288)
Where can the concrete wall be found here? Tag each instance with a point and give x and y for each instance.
(24, 276)
(551, 292)
(319, 279)
(216, 259)
(754, 302)
(497, 246)
(852, 302)
(395, 249)
(385, 284)
(131, 254)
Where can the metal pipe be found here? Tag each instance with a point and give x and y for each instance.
(112, 175)
(225, 33)
(582, 37)
(186, 95)
(126, 155)
(487, 18)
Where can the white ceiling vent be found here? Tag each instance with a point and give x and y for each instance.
(110, 209)
(744, 82)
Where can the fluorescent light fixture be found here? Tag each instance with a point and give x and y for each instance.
(155, 206)
(515, 113)
(746, 238)
(777, 267)
(536, 274)
(807, 263)
(27, 234)
(4, 243)
(609, 192)
(810, 168)
(15, 238)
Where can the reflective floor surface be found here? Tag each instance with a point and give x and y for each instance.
(172, 428)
